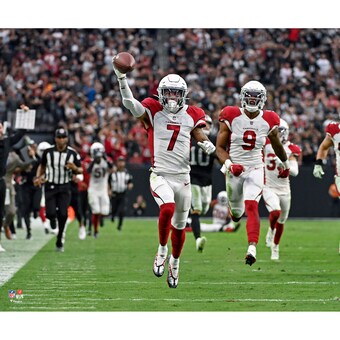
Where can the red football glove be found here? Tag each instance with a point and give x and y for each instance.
(236, 169)
(283, 173)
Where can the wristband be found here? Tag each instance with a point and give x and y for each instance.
(286, 164)
(228, 163)
(319, 162)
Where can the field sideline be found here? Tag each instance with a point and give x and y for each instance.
(114, 274)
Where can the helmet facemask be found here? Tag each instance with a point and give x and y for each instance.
(172, 92)
(253, 96)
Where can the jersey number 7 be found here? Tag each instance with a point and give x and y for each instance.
(174, 136)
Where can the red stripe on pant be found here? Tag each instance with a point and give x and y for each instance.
(164, 222)
(177, 242)
(279, 230)
(273, 217)
(253, 221)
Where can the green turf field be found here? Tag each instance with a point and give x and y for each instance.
(114, 272)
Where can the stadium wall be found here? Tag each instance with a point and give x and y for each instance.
(310, 196)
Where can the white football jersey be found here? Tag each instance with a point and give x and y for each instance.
(248, 136)
(279, 185)
(220, 214)
(170, 136)
(333, 129)
(99, 176)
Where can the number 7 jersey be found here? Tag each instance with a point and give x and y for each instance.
(169, 136)
(248, 136)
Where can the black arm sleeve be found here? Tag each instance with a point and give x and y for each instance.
(16, 137)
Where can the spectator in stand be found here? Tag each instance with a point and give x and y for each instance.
(69, 80)
(139, 206)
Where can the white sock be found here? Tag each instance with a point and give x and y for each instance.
(173, 262)
(252, 249)
(162, 250)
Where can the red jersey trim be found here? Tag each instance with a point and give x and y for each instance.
(229, 113)
(295, 149)
(152, 105)
(332, 128)
(272, 118)
(198, 115)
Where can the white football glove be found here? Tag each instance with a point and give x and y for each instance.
(119, 74)
(318, 171)
(207, 146)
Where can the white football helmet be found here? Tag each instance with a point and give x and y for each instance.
(97, 150)
(172, 92)
(42, 147)
(283, 131)
(222, 198)
(253, 96)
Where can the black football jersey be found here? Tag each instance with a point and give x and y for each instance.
(201, 164)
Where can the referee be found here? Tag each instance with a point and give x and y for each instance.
(120, 181)
(58, 164)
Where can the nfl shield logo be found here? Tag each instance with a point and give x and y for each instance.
(19, 294)
(11, 294)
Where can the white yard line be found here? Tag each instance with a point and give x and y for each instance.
(20, 251)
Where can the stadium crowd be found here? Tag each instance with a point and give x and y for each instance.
(66, 76)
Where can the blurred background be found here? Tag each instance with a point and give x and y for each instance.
(66, 76)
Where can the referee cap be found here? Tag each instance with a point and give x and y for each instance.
(61, 133)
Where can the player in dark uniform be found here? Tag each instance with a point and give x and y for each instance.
(201, 185)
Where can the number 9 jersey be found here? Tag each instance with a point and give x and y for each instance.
(248, 136)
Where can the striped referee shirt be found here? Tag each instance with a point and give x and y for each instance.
(55, 161)
(120, 181)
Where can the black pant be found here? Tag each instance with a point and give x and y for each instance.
(75, 204)
(31, 197)
(19, 204)
(118, 204)
(85, 208)
(57, 199)
(2, 201)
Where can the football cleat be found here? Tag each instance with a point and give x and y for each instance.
(8, 233)
(270, 237)
(200, 244)
(237, 226)
(82, 233)
(275, 252)
(2, 249)
(159, 265)
(173, 275)
(251, 255)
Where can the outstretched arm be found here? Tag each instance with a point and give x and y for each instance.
(132, 104)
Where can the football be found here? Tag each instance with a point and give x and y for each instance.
(124, 62)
